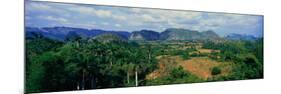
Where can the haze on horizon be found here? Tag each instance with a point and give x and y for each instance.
(48, 14)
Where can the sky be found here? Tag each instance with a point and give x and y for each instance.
(49, 14)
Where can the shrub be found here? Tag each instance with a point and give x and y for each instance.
(216, 71)
(178, 72)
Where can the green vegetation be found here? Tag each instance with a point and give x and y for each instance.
(80, 64)
(247, 56)
(216, 71)
(176, 76)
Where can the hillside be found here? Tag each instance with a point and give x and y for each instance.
(62, 33)
(240, 37)
(145, 35)
(108, 37)
(186, 34)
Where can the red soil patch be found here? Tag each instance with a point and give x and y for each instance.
(200, 66)
(207, 50)
(164, 63)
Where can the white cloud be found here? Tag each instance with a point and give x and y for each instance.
(43, 7)
(51, 18)
(147, 18)
(232, 19)
(119, 17)
(165, 15)
(117, 25)
(161, 18)
(105, 23)
(91, 11)
(216, 21)
(83, 10)
(38, 6)
(131, 19)
(103, 13)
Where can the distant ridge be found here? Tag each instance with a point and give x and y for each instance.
(62, 33)
(187, 34)
(234, 36)
(108, 37)
(145, 35)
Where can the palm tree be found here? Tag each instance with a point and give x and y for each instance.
(137, 58)
(86, 55)
(149, 53)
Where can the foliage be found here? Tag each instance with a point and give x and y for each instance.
(216, 71)
(84, 64)
(176, 75)
(89, 64)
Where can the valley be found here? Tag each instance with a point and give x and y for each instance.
(90, 59)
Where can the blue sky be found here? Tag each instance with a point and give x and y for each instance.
(47, 14)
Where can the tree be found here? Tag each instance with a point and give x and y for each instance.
(37, 51)
(247, 68)
(216, 71)
(35, 78)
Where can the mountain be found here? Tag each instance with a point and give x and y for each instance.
(57, 33)
(32, 32)
(234, 36)
(148, 35)
(122, 34)
(61, 33)
(68, 33)
(186, 34)
(209, 35)
(108, 37)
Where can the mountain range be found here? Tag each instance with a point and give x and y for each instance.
(187, 34)
(61, 33)
(64, 33)
(241, 37)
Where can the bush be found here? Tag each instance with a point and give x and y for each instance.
(178, 72)
(248, 68)
(177, 75)
(216, 71)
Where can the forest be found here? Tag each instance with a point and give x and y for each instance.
(80, 64)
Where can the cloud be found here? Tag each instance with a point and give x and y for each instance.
(103, 13)
(170, 15)
(119, 17)
(105, 23)
(131, 19)
(91, 11)
(38, 6)
(51, 18)
(161, 18)
(232, 19)
(42, 7)
(117, 25)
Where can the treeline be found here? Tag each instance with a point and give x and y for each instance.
(85, 64)
(107, 62)
(247, 56)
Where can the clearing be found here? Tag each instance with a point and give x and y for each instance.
(199, 66)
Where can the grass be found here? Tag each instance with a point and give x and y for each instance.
(199, 66)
